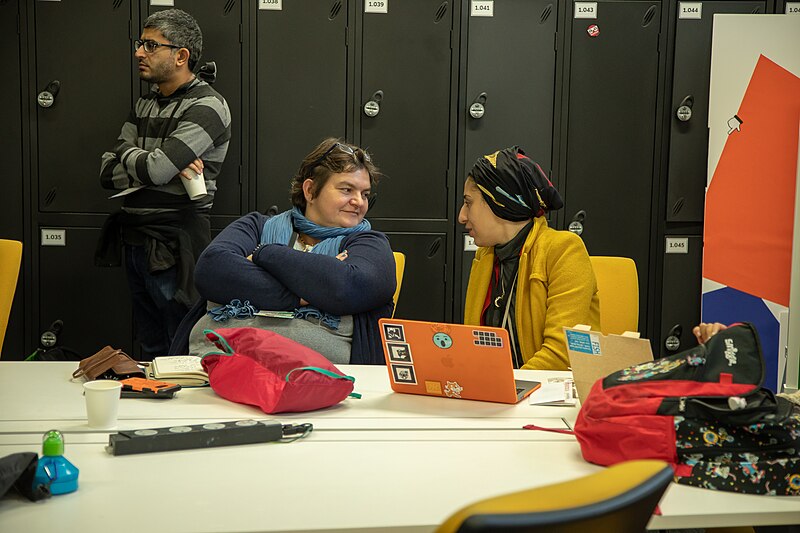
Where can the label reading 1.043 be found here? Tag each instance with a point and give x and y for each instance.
(54, 237)
(793, 8)
(376, 6)
(585, 10)
(482, 8)
(690, 10)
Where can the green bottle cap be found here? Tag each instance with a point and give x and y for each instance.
(53, 443)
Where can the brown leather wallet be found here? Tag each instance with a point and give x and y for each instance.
(108, 363)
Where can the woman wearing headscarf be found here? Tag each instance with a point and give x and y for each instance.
(526, 277)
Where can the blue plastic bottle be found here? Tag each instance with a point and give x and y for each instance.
(54, 470)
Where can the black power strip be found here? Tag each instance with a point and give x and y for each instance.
(197, 436)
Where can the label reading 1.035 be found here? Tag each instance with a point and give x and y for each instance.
(54, 237)
(482, 8)
(376, 6)
(690, 10)
(585, 10)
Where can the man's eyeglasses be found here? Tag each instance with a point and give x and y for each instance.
(344, 148)
(151, 46)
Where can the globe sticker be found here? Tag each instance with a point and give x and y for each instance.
(442, 340)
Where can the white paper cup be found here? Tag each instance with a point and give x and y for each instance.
(195, 187)
(102, 403)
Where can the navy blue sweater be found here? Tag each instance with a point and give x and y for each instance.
(279, 276)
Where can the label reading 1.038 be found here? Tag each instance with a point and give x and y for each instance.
(585, 10)
(690, 10)
(272, 5)
(376, 6)
(54, 237)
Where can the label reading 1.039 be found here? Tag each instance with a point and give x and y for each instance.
(54, 237)
(690, 10)
(585, 10)
(376, 6)
(482, 8)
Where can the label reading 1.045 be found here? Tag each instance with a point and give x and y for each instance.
(482, 8)
(677, 245)
(54, 237)
(376, 6)
(585, 10)
(690, 10)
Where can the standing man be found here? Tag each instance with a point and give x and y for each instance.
(181, 128)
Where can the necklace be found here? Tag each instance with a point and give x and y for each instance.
(499, 300)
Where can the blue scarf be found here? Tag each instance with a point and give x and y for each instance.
(279, 229)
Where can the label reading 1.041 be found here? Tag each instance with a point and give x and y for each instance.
(585, 10)
(793, 8)
(376, 6)
(482, 8)
(54, 237)
(690, 10)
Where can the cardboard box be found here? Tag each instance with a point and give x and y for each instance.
(593, 355)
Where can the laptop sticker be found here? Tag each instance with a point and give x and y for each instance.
(433, 387)
(404, 374)
(442, 340)
(578, 341)
(399, 353)
(487, 338)
(452, 389)
(394, 332)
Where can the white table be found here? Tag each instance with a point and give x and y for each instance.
(387, 462)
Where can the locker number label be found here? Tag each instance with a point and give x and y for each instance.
(585, 10)
(54, 237)
(272, 5)
(690, 10)
(469, 244)
(482, 8)
(376, 6)
(677, 245)
(793, 8)
(167, 3)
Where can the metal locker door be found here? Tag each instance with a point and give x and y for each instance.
(93, 302)
(680, 293)
(301, 89)
(405, 105)
(220, 21)
(511, 66)
(688, 148)
(613, 84)
(11, 202)
(422, 296)
(83, 91)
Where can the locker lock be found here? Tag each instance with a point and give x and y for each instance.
(576, 225)
(673, 340)
(47, 97)
(477, 109)
(373, 106)
(684, 112)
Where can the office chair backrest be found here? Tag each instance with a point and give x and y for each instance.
(399, 268)
(10, 258)
(618, 289)
(619, 499)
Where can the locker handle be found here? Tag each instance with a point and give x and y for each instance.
(373, 105)
(272, 211)
(47, 97)
(478, 107)
(684, 112)
(673, 340)
(576, 225)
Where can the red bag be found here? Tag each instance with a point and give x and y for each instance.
(276, 374)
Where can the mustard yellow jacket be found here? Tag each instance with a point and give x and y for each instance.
(556, 287)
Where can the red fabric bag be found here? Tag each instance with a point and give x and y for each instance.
(276, 374)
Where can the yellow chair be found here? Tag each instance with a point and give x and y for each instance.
(618, 289)
(399, 268)
(619, 499)
(10, 258)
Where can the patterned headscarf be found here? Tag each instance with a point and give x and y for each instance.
(514, 186)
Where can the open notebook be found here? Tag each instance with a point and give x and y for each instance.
(451, 361)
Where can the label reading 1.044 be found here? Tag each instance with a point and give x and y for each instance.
(376, 6)
(690, 10)
(54, 237)
(585, 10)
(482, 8)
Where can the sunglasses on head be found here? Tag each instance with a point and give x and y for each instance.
(344, 148)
